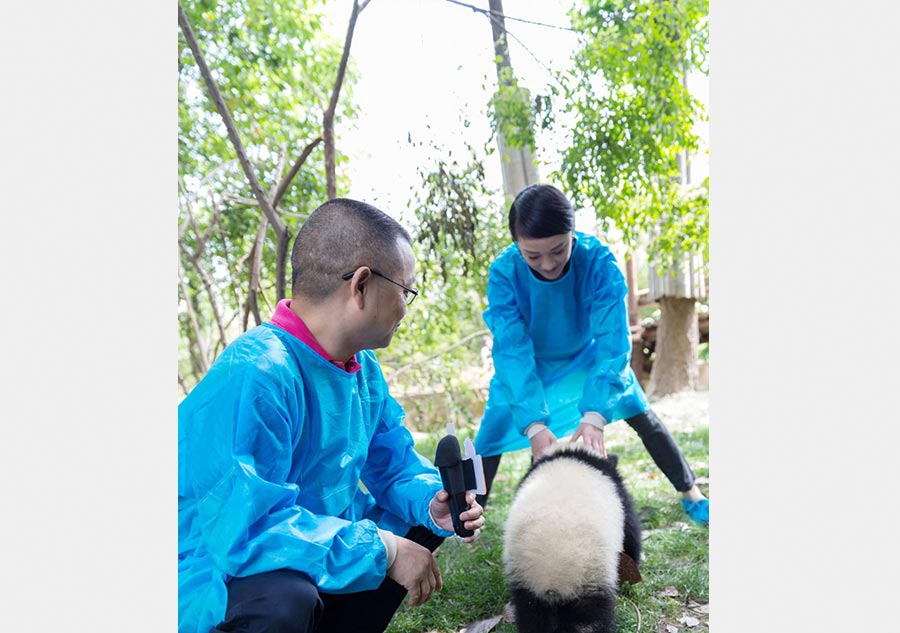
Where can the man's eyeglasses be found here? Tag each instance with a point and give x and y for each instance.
(408, 293)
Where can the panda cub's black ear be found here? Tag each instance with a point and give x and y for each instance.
(613, 458)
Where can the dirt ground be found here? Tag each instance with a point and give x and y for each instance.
(683, 411)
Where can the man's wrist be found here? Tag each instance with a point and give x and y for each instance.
(534, 428)
(390, 546)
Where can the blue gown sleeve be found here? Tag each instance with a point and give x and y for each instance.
(513, 352)
(401, 481)
(249, 518)
(610, 373)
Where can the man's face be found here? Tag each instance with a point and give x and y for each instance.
(390, 299)
(547, 256)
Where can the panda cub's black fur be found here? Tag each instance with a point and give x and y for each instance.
(570, 519)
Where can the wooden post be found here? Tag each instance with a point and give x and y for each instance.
(632, 281)
(634, 324)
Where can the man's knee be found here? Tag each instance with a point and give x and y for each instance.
(295, 606)
(282, 601)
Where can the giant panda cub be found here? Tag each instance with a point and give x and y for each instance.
(570, 520)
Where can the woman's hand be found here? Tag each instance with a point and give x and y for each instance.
(591, 436)
(541, 442)
(472, 518)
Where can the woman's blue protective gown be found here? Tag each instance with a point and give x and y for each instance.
(561, 347)
(272, 446)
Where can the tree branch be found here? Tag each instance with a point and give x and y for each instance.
(289, 177)
(207, 285)
(328, 118)
(282, 155)
(250, 202)
(183, 384)
(284, 236)
(213, 223)
(195, 325)
(229, 122)
(438, 353)
(189, 220)
(253, 288)
(637, 611)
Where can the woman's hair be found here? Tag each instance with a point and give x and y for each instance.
(540, 211)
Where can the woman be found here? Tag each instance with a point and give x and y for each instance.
(556, 308)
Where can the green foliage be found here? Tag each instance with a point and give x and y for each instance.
(460, 230)
(703, 352)
(275, 67)
(461, 225)
(511, 113)
(683, 228)
(634, 118)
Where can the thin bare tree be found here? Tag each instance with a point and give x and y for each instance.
(203, 352)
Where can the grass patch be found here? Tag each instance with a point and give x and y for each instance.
(675, 565)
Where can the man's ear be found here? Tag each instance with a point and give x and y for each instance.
(359, 285)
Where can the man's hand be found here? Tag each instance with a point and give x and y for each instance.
(416, 570)
(592, 437)
(541, 442)
(472, 518)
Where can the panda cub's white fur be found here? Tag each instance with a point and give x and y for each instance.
(565, 530)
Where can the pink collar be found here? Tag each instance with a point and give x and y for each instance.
(287, 320)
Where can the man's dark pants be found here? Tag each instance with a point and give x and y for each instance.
(287, 601)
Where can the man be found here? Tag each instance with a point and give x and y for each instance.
(297, 481)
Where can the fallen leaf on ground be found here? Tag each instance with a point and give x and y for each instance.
(648, 533)
(688, 620)
(669, 591)
(482, 626)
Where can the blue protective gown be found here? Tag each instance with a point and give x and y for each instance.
(561, 347)
(272, 446)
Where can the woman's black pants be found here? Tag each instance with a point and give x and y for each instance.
(657, 440)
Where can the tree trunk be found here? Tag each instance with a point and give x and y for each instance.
(517, 166)
(255, 265)
(675, 367)
(282, 254)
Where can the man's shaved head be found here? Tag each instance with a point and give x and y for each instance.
(339, 237)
